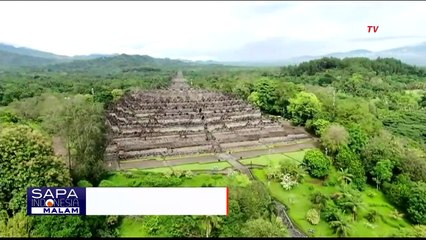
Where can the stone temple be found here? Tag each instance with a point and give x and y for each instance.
(182, 120)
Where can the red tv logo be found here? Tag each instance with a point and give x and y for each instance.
(375, 28)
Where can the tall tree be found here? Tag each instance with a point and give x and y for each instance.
(303, 107)
(382, 172)
(84, 131)
(210, 223)
(334, 137)
(26, 160)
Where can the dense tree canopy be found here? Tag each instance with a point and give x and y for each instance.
(379, 106)
(369, 114)
(26, 160)
(303, 107)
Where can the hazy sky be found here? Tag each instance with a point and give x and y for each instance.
(211, 30)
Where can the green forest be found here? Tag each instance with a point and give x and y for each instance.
(368, 173)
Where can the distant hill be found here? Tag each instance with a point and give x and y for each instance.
(11, 60)
(16, 57)
(13, 57)
(31, 52)
(91, 56)
(415, 55)
(120, 63)
(410, 54)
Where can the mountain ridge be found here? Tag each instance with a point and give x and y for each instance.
(413, 54)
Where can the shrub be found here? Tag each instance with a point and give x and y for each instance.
(84, 183)
(416, 203)
(273, 172)
(189, 174)
(168, 174)
(177, 173)
(292, 168)
(330, 212)
(318, 126)
(106, 183)
(319, 199)
(316, 163)
(371, 216)
(313, 216)
(288, 182)
(331, 182)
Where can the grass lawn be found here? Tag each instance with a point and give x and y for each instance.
(265, 160)
(297, 155)
(171, 158)
(193, 167)
(200, 179)
(275, 158)
(298, 201)
(119, 179)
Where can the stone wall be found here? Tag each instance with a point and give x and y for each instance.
(182, 120)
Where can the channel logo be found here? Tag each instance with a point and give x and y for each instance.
(56, 201)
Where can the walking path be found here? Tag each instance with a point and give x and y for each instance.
(231, 158)
(281, 212)
(236, 164)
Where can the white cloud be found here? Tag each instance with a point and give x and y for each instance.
(200, 29)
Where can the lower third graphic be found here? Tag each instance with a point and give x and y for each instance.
(56, 201)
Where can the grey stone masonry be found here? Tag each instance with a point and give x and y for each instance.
(184, 120)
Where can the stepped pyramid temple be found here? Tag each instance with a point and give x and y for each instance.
(182, 120)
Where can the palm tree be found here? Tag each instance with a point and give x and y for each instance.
(298, 173)
(209, 223)
(353, 203)
(341, 227)
(320, 201)
(345, 177)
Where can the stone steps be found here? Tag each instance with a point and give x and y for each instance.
(188, 121)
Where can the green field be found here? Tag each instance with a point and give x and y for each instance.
(265, 160)
(170, 158)
(298, 201)
(206, 179)
(193, 167)
(297, 155)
